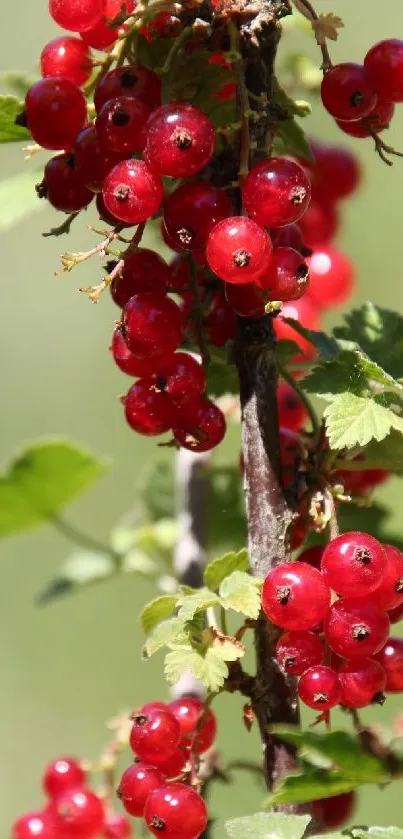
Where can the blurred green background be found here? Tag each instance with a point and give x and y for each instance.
(67, 668)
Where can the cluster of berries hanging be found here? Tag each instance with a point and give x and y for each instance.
(336, 604)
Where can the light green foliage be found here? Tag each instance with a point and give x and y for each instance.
(216, 571)
(156, 611)
(10, 108)
(267, 826)
(241, 592)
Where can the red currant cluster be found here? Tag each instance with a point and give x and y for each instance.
(362, 98)
(348, 629)
(73, 809)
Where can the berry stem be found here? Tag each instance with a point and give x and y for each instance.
(94, 292)
(64, 227)
(197, 312)
(83, 539)
(243, 99)
(223, 621)
(70, 259)
(306, 9)
(383, 149)
(304, 399)
(332, 514)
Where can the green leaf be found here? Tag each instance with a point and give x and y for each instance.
(363, 832)
(18, 82)
(221, 373)
(198, 601)
(268, 826)
(18, 198)
(207, 665)
(10, 108)
(310, 785)
(40, 481)
(355, 420)
(379, 333)
(82, 568)
(342, 750)
(241, 592)
(157, 611)
(162, 635)
(290, 139)
(139, 562)
(216, 571)
(387, 454)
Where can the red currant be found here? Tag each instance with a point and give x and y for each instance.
(104, 213)
(390, 591)
(183, 379)
(175, 765)
(117, 827)
(61, 775)
(147, 410)
(155, 735)
(76, 15)
(132, 192)
(56, 111)
(78, 813)
(291, 411)
(136, 784)
(384, 65)
(35, 825)
(120, 123)
(395, 615)
(296, 651)
(191, 212)
(200, 427)
(287, 277)
(391, 659)
(102, 35)
(144, 270)
(313, 556)
(363, 480)
(180, 140)
(154, 706)
(176, 810)
(337, 171)
(220, 321)
(331, 277)
(355, 628)
(353, 564)
(188, 710)
(276, 192)
(62, 185)
(320, 223)
(329, 813)
(360, 681)
(347, 92)
(247, 300)
(306, 313)
(238, 250)
(92, 163)
(375, 122)
(128, 81)
(319, 688)
(152, 324)
(295, 596)
(66, 58)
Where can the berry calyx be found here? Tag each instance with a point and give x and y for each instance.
(120, 124)
(66, 58)
(296, 651)
(136, 784)
(347, 92)
(287, 277)
(362, 682)
(117, 827)
(390, 657)
(353, 564)
(191, 715)
(238, 250)
(384, 65)
(337, 172)
(331, 277)
(155, 735)
(319, 688)
(174, 810)
(147, 410)
(179, 140)
(132, 192)
(76, 15)
(56, 111)
(295, 596)
(78, 813)
(200, 426)
(62, 774)
(152, 324)
(143, 271)
(355, 628)
(192, 211)
(329, 813)
(276, 192)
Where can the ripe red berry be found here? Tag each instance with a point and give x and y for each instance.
(102, 35)
(66, 58)
(363, 480)
(320, 223)
(128, 81)
(144, 270)
(154, 706)
(319, 688)
(147, 410)
(62, 774)
(191, 212)
(295, 596)
(35, 825)
(331, 277)
(291, 411)
(395, 615)
(296, 651)
(384, 65)
(390, 591)
(220, 321)
(56, 111)
(175, 765)
(287, 277)
(117, 827)
(132, 192)
(329, 813)
(188, 710)
(361, 681)
(353, 564)
(120, 123)
(375, 122)
(289, 236)
(355, 628)
(176, 810)
(313, 556)
(93, 164)
(155, 735)
(200, 427)
(306, 313)
(347, 92)
(337, 172)
(238, 250)
(180, 140)
(78, 813)
(247, 300)
(276, 192)
(152, 324)
(76, 15)
(390, 657)
(62, 185)
(136, 784)
(182, 379)
(104, 214)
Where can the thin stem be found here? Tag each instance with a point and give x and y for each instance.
(70, 259)
(243, 99)
(83, 539)
(306, 8)
(304, 399)
(198, 312)
(331, 508)
(94, 292)
(383, 149)
(64, 227)
(223, 621)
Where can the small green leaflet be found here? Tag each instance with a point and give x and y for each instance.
(208, 665)
(241, 592)
(381, 832)
(355, 420)
(198, 601)
(216, 571)
(10, 108)
(158, 610)
(162, 635)
(267, 826)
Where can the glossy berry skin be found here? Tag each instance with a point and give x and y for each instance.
(136, 784)
(320, 223)
(295, 596)
(200, 427)
(291, 411)
(149, 412)
(238, 250)
(296, 651)
(306, 313)
(144, 270)
(353, 564)
(289, 236)
(319, 688)
(347, 92)
(337, 172)
(176, 810)
(220, 321)
(355, 628)
(117, 827)
(361, 680)
(395, 615)
(61, 775)
(128, 81)
(155, 735)
(246, 299)
(333, 812)
(180, 140)
(175, 765)
(62, 185)
(56, 111)
(389, 593)
(152, 324)
(276, 192)
(76, 15)
(188, 710)
(93, 164)
(104, 213)
(101, 36)
(331, 277)
(192, 211)
(375, 122)
(66, 58)
(183, 379)
(287, 277)
(35, 825)
(78, 813)
(313, 556)
(120, 123)
(384, 65)
(391, 659)
(129, 363)
(132, 192)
